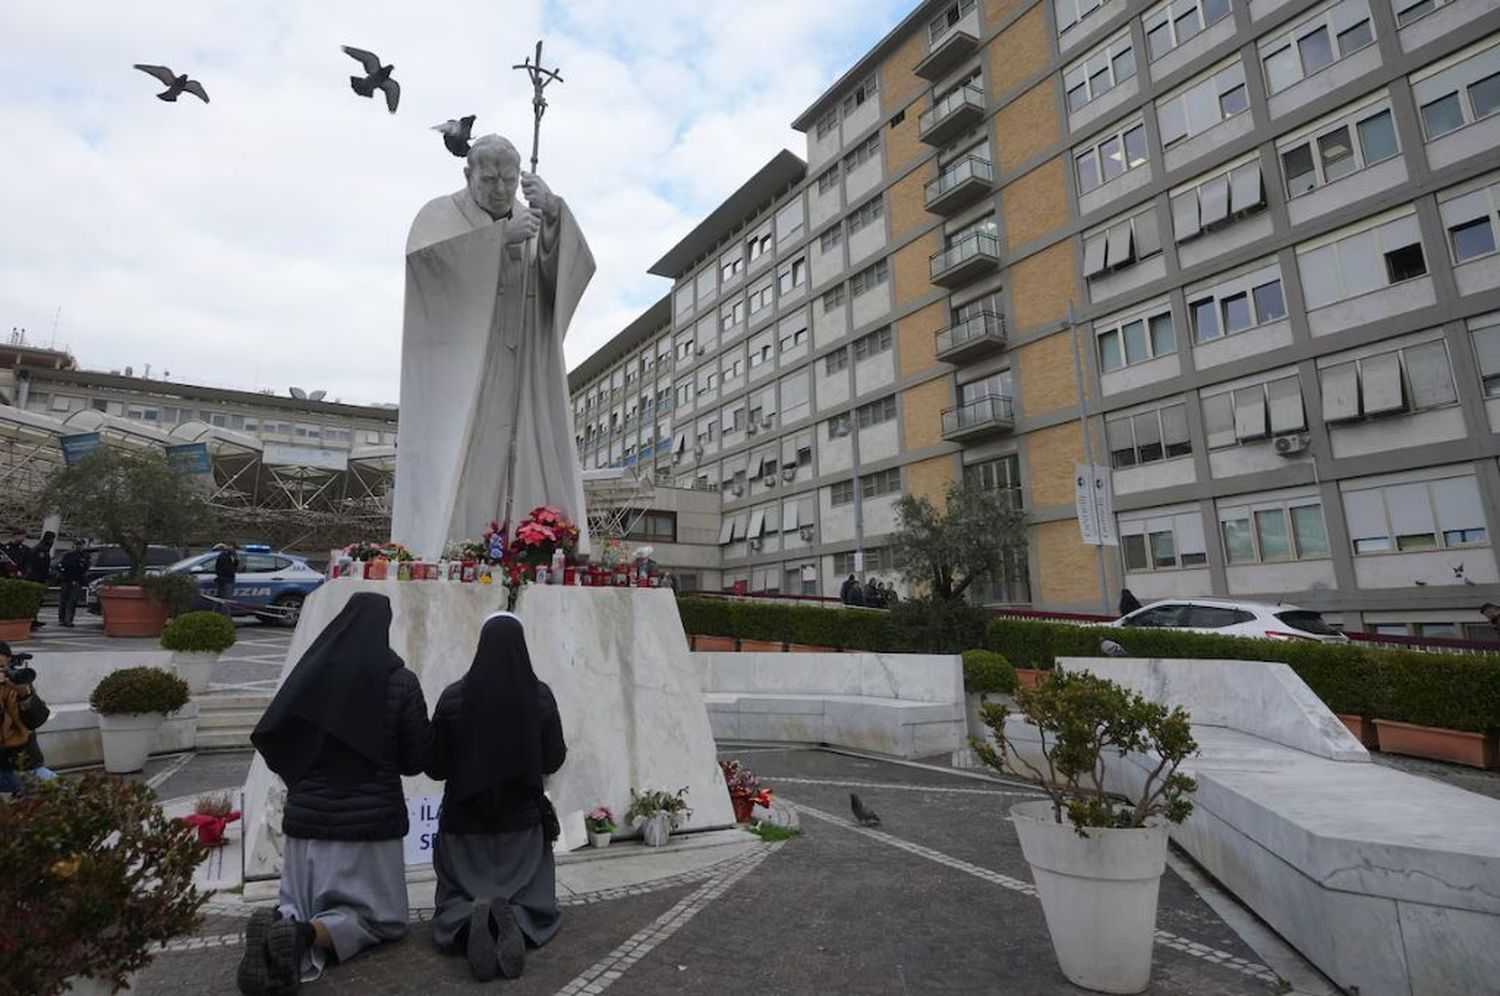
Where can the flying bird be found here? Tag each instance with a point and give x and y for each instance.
(866, 817)
(456, 134)
(1110, 648)
(175, 85)
(377, 77)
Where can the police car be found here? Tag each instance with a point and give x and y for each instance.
(271, 581)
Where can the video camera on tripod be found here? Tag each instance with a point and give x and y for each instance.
(17, 671)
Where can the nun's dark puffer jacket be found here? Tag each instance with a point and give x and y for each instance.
(374, 808)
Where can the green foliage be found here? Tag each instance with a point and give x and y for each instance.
(841, 628)
(937, 626)
(987, 671)
(762, 621)
(130, 498)
(95, 878)
(214, 804)
(178, 591)
(1081, 718)
(199, 632)
(773, 832)
(644, 805)
(20, 599)
(705, 616)
(1455, 692)
(134, 690)
(978, 535)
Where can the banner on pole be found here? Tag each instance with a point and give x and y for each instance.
(1094, 504)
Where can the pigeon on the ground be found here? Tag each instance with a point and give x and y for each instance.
(867, 817)
(377, 77)
(176, 84)
(1110, 648)
(456, 134)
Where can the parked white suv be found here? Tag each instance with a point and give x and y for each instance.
(1225, 618)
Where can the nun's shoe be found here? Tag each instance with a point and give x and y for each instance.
(511, 943)
(254, 975)
(480, 946)
(286, 943)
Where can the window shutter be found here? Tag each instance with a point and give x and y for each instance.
(1245, 188)
(1380, 380)
(1185, 216)
(1340, 392)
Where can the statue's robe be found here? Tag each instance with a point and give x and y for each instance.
(482, 363)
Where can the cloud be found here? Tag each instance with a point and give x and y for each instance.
(256, 242)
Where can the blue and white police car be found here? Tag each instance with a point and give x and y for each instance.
(269, 585)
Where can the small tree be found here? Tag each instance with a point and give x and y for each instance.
(979, 536)
(133, 499)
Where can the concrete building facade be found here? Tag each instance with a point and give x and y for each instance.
(1242, 253)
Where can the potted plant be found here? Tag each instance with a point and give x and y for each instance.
(132, 703)
(73, 852)
(988, 677)
(745, 792)
(211, 815)
(196, 640)
(601, 824)
(19, 602)
(657, 813)
(133, 499)
(1097, 859)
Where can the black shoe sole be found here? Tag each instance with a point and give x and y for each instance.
(480, 947)
(283, 959)
(254, 975)
(511, 943)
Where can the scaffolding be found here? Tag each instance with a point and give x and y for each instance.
(617, 499)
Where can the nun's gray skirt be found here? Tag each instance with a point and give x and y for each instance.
(354, 888)
(516, 867)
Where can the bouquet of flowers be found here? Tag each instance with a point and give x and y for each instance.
(745, 792)
(367, 550)
(543, 530)
(601, 819)
(488, 549)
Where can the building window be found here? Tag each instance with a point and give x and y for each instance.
(1000, 474)
(1112, 156)
(1337, 148)
(867, 213)
(827, 123)
(836, 360)
(1485, 330)
(1408, 11)
(1413, 378)
(792, 275)
(876, 559)
(1196, 108)
(761, 350)
(841, 493)
(833, 299)
(875, 412)
(1164, 542)
(1100, 71)
(1333, 34)
(869, 278)
(1361, 260)
(731, 266)
(1254, 412)
(1264, 532)
(762, 297)
(758, 245)
(1414, 515)
(1470, 219)
(862, 153)
(1148, 437)
(794, 338)
(867, 89)
(872, 344)
(1452, 96)
(945, 21)
(1218, 200)
(1236, 305)
(839, 426)
(1169, 25)
(1070, 12)
(829, 240)
(828, 179)
(1122, 243)
(1136, 340)
(885, 482)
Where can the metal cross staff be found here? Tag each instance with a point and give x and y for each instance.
(539, 79)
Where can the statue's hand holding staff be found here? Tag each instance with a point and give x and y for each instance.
(524, 225)
(539, 195)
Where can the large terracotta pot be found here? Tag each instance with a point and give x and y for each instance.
(1027, 677)
(1478, 750)
(129, 611)
(713, 643)
(1362, 728)
(762, 646)
(15, 630)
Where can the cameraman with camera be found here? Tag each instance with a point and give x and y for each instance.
(21, 712)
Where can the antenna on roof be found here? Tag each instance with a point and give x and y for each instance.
(317, 396)
(298, 393)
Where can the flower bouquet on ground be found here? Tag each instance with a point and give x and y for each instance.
(211, 815)
(745, 792)
(601, 824)
(657, 812)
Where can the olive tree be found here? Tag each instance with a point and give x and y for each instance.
(978, 535)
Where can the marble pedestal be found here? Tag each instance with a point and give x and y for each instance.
(617, 662)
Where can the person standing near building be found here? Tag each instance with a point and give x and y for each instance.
(16, 562)
(73, 572)
(226, 565)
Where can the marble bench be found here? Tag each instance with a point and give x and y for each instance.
(71, 735)
(1388, 882)
(905, 705)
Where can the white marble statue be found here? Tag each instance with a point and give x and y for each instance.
(490, 289)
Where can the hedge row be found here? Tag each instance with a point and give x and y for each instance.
(908, 627)
(1456, 692)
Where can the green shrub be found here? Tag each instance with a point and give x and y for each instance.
(137, 690)
(987, 671)
(762, 621)
(20, 599)
(199, 632)
(938, 626)
(705, 616)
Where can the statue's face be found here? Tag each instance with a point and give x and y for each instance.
(492, 183)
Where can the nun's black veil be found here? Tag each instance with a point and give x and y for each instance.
(331, 710)
(498, 736)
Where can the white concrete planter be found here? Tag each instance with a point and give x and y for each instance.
(656, 829)
(195, 667)
(1098, 894)
(127, 739)
(598, 839)
(972, 702)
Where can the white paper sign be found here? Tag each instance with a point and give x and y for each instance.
(1104, 507)
(422, 811)
(1084, 504)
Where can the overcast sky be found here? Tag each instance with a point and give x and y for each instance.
(257, 241)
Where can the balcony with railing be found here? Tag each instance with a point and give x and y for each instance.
(984, 416)
(952, 115)
(975, 336)
(965, 259)
(961, 183)
(949, 42)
